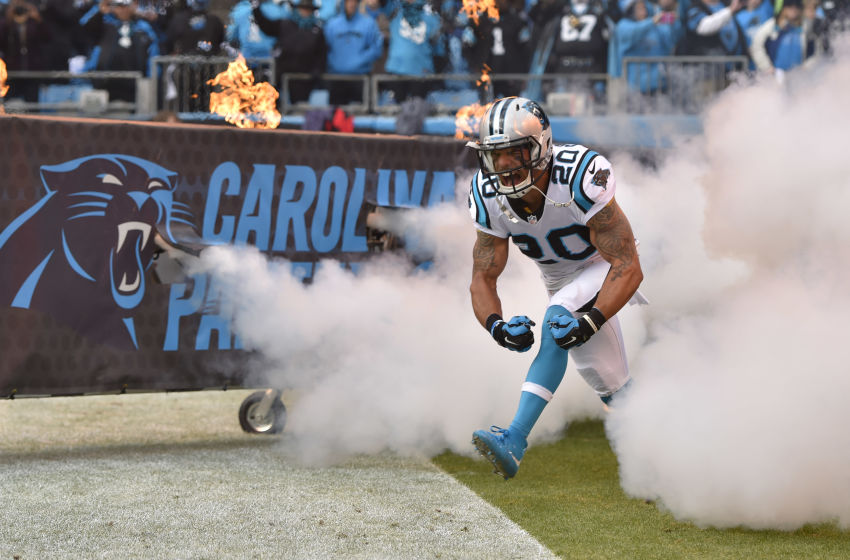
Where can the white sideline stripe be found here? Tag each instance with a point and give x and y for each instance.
(538, 390)
(244, 503)
(80, 480)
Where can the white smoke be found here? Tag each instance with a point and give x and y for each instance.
(741, 401)
(740, 408)
(390, 358)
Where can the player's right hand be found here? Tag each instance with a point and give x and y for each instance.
(515, 334)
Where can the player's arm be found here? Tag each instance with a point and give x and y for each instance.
(611, 234)
(489, 257)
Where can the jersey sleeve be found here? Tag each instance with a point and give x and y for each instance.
(594, 184)
(480, 210)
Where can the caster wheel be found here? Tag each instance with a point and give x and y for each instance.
(252, 419)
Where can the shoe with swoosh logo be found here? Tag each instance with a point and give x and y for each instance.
(503, 449)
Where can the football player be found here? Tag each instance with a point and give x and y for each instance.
(556, 203)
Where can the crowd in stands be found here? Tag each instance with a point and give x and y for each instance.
(412, 38)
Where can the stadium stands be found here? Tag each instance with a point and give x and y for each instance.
(561, 72)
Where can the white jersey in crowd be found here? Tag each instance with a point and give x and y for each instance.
(581, 184)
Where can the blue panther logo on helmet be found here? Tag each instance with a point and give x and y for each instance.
(535, 109)
(81, 252)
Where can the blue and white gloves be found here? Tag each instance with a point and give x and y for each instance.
(514, 335)
(570, 332)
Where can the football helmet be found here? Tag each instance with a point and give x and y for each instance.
(519, 127)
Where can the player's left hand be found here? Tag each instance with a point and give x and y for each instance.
(570, 332)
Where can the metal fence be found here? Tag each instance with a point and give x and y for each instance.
(86, 93)
(674, 84)
(182, 81)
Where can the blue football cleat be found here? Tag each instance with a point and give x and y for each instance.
(501, 448)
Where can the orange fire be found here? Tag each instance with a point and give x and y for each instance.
(242, 102)
(4, 89)
(474, 8)
(485, 76)
(467, 119)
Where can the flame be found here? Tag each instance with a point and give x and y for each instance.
(467, 119)
(241, 101)
(4, 89)
(473, 8)
(485, 76)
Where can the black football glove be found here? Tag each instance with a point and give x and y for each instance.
(514, 335)
(570, 332)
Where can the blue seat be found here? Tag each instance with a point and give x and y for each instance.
(62, 93)
(453, 98)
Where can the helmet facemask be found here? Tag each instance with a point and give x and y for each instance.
(528, 154)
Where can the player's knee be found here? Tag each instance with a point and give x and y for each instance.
(617, 394)
(547, 340)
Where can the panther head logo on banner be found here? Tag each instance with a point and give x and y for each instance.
(81, 252)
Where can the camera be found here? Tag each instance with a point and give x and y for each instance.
(20, 10)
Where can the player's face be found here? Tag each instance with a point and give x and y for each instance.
(511, 164)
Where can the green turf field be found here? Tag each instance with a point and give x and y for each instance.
(567, 495)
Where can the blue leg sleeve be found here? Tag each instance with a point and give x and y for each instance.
(547, 371)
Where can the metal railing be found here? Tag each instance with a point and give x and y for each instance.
(182, 81)
(325, 83)
(676, 84)
(673, 84)
(99, 93)
(447, 92)
(450, 92)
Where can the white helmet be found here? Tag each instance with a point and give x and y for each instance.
(514, 122)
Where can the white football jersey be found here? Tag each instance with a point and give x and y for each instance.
(582, 181)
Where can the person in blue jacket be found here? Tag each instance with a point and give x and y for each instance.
(354, 44)
(785, 41)
(753, 15)
(643, 32)
(123, 41)
(244, 34)
(415, 41)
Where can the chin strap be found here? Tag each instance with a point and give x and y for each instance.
(557, 204)
(510, 215)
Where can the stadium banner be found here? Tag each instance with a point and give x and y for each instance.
(81, 202)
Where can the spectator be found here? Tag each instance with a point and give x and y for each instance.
(459, 37)
(818, 25)
(641, 33)
(711, 29)
(82, 41)
(754, 14)
(354, 44)
(503, 44)
(194, 31)
(326, 9)
(581, 42)
(61, 18)
(243, 33)
(784, 42)
(300, 46)
(24, 39)
(381, 13)
(541, 14)
(158, 13)
(123, 42)
(581, 45)
(416, 42)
